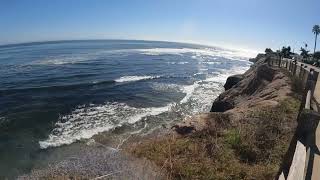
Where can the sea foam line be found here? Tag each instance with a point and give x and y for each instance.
(87, 121)
(219, 79)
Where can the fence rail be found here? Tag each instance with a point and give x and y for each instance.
(305, 162)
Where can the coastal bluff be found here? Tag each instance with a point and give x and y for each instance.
(245, 135)
(260, 86)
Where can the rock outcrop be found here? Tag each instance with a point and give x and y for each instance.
(259, 56)
(221, 105)
(261, 85)
(232, 80)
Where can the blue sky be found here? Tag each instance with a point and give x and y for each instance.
(248, 24)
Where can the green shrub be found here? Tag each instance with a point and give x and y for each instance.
(233, 138)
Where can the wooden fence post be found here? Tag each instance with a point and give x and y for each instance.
(294, 68)
(279, 63)
(311, 83)
(301, 69)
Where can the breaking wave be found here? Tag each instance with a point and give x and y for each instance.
(135, 78)
(86, 121)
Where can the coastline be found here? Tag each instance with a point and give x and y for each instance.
(212, 136)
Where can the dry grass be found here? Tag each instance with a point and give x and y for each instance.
(252, 150)
(296, 83)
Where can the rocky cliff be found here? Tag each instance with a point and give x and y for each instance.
(261, 85)
(245, 136)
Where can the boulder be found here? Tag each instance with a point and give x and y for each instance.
(221, 106)
(200, 122)
(232, 80)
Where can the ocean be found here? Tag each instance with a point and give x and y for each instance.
(53, 94)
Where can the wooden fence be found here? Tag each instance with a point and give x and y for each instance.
(305, 159)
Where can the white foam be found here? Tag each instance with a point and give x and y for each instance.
(224, 74)
(86, 121)
(62, 59)
(165, 87)
(202, 92)
(149, 112)
(202, 97)
(188, 90)
(201, 53)
(160, 51)
(135, 78)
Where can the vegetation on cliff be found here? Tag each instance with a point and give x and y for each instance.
(251, 150)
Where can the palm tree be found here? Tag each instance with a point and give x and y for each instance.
(316, 31)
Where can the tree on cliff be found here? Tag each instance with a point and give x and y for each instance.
(304, 53)
(316, 32)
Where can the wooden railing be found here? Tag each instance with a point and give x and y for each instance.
(305, 160)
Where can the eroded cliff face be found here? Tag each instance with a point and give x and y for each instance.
(261, 85)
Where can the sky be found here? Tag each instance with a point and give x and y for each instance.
(243, 24)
